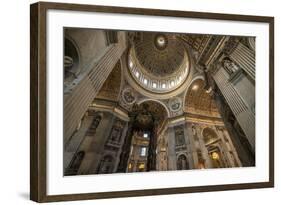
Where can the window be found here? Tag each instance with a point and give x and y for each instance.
(143, 152)
(145, 81)
(131, 64)
(145, 135)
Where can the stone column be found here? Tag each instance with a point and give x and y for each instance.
(94, 145)
(225, 147)
(117, 161)
(172, 158)
(125, 149)
(78, 97)
(74, 142)
(238, 138)
(189, 147)
(244, 115)
(231, 148)
(203, 148)
(245, 58)
(194, 145)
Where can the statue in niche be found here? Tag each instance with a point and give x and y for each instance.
(106, 165)
(194, 132)
(182, 163)
(95, 123)
(116, 132)
(229, 66)
(201, 161)
(179, 134)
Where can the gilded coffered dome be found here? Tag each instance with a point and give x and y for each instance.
(158, 62)
(160, 54)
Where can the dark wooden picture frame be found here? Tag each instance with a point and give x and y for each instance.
(38, 101)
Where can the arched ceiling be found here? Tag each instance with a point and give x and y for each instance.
(199, 101)
(160, 54)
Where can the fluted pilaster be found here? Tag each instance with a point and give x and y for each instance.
(172, 158)
(78, 99)
(243, 114)
(245, 58)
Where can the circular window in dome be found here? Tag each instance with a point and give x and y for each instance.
(160, 41)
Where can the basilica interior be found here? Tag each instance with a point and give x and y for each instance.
(137, 101)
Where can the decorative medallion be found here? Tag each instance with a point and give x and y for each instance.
(128, 96)
(175, 104)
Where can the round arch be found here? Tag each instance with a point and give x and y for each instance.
(157, 101)
(209, 135)
(182, 162)
(198, 77)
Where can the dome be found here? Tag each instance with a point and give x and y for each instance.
(158, 62)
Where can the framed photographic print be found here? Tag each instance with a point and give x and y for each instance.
(134, 102)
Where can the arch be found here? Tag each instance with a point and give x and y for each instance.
(209, 135)
(182, 162)
(198, 101)
(155, 100)
(198, 77)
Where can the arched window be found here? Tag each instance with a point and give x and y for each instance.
(75, 163)
(182, 163)
(106, 165)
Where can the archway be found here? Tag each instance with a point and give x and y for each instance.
(212, 143)
(199, 101)
(182, 163)
(146, 119)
